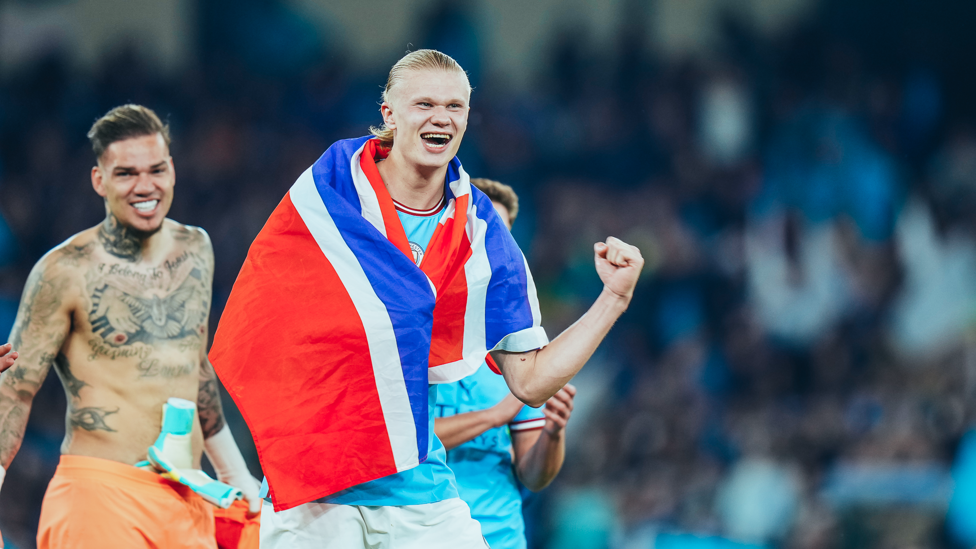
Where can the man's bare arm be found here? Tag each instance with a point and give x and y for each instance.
(536, 375)
(539, 453)
(42, 324)
(455, 430)
(218, 441)
(209, 408)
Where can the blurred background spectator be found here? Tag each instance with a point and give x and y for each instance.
(798, 366)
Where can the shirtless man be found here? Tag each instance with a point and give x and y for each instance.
(120, 310)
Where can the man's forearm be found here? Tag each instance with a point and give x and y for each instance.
(542, 462)
(209, 408)
(534, 377)
(13, 422)
(455, 430)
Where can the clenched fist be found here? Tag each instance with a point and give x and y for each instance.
(619, 265)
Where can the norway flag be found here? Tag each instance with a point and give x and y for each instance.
(332, 334)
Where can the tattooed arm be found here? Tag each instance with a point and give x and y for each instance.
(208, 401)
(208, 398)
(42, 324)
(219, 443)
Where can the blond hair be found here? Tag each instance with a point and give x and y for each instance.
(414, 60)
(499, 192)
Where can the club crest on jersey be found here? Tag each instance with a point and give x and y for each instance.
(418, 253)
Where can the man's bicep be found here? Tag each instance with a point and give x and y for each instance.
(42, 324)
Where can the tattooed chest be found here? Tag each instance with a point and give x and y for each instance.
(129, 307)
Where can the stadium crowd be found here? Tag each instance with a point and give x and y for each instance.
(797, 368)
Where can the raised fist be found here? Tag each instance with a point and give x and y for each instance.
(619, 265)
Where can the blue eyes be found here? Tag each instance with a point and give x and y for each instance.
(451, 106)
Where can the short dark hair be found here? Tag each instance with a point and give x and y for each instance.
(125, 122)
(499, 192)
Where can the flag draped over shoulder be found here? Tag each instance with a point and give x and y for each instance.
(332, 334)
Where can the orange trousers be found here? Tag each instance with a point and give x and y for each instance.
(234, 529)
(94, 502)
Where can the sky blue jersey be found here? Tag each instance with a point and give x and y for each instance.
(483, 466)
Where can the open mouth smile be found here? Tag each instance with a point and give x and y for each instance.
(436, 141)
(146, 206)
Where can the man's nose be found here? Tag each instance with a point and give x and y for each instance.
(144, 184)
(440, 116)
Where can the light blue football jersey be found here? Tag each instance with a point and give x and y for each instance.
(432, 480)
(483, 466)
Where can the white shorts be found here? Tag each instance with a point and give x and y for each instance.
(444, 524)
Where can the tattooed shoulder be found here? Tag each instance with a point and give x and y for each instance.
(73, 255)
(196, 245)
(45, 294)
(188, 233)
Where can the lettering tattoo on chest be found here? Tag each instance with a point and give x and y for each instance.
(100, 348)
(153, 367)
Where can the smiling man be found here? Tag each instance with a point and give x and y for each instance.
(382, 273)
(120, 311)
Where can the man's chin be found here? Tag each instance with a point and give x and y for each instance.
(144, 234)
(143, 231)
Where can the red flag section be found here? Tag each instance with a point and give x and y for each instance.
(339, 394)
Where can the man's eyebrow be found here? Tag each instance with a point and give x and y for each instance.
(159, 164)
(428, 99)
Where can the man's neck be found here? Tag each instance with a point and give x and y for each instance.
(124, 242)
(421, 188)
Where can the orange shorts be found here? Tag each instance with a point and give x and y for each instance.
(94, 502)
(234, 529)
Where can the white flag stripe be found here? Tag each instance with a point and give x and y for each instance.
(452, 371)
(367, 196)
(533, 295)
(380, 336)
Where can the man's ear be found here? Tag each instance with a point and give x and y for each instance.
(97, 183)
(387, 110)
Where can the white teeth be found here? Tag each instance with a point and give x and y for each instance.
(146, 206)
(435, 136)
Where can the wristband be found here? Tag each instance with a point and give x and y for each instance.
(224, 454)
(230, 466)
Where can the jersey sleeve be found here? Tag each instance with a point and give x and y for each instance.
(528, 419)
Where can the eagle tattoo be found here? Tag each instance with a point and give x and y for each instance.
(121, 318)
